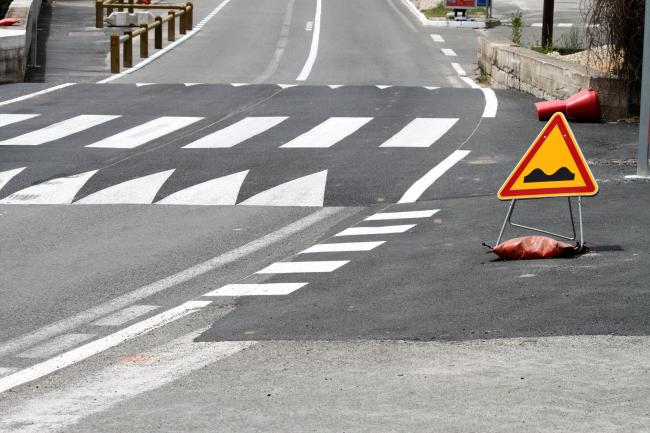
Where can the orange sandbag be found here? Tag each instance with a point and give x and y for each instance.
(8, 21)
(533, 247)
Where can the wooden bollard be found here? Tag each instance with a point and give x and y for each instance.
(130, 9)
(99, 14)
(128, 50)
(171, 27)
(189, 11)
(158, 34)
(144, 41)
(181, 23)
(120, 9)
(115, 53)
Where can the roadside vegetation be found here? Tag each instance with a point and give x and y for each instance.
(4, 5)
(440, 11)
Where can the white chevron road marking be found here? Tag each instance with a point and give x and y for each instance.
(221, 191)
(6, 176)
(422, 132)
(236, 133)
(305, 191)
(328, 133)
(146, 132)
(58, 130)
(56, 191)
(8, 119)
(141, 190)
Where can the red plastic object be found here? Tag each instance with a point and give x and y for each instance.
(583, 105)
(534, 247)
(8, 21)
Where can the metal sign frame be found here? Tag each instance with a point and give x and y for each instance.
(508, 221)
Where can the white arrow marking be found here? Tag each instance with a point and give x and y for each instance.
(58, 130)
(221, 191)
(141, 190)
(236, 133)
(420, 133)
(328, 133)
(146, 132)
(304, 191)
(8, 119)
(6, 176)
(55, 191)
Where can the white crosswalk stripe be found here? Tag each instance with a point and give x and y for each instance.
(6, 176)
(383, 216)
(236, 133)
(141, 190)
(146, 132)
(267, 289)
(55, 345)
(58, 130)
(8, 119)
(421, 132)
(56, 191)
(221, 191)
(303, 267)
(328, 133)
(343, 247)
(125, 315)
(362, 231)
(304, 191)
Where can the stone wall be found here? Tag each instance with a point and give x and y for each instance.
(511, 66)
(16, 40)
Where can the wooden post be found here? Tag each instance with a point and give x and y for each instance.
(115, 53)
(99, 14)
(189, 11)
(120, 9)
(144, 41)
(181, 23)
(128, 50)
(158, 33)
(130, 9)
(171, 27)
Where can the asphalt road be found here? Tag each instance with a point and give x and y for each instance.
(277, 225)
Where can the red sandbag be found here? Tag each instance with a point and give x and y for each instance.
(8, 21)
(533, 247)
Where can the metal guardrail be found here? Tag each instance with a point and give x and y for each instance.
(184, 13)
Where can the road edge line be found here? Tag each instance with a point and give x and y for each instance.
(315, 41)
(35, 94)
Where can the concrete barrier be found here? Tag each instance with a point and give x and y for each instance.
(16, 40)
(514, 67)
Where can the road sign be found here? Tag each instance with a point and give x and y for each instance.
(460, 4)
(553, 166)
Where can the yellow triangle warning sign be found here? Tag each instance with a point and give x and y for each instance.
(553, 166)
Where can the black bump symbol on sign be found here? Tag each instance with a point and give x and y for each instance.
(538, 175)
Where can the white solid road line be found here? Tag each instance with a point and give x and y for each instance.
(125, 315)
(402, 215)
(491, 103)
(267, 289)
(313, 51)
(169, 47)
(58, 130)
(422, 132)
(97, 346)
(56, 345)
(141, 190)
(6, 176)
(382, 230)
(236, 133)
(146, 132)
(322, 266)
(35, 94)
(437, 38)
(58, 409)
(64, 325)
(222, 191)
(55, 191)
(304, 191)
(448, 52)
(418, 188)
(328, 133)
(8, 119)
(459, 69)
(343, 247)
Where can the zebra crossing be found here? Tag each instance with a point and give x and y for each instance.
(419, 132)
